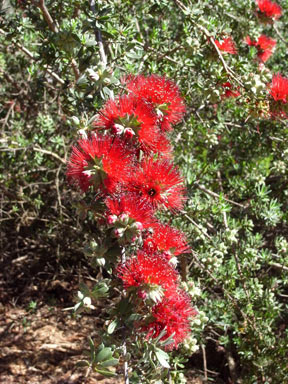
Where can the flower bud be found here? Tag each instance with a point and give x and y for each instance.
(124, 218)
(119, 232)
(111, 219)
(118, 129)
(139, 225)
(129, 133)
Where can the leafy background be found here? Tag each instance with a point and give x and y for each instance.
(233, 155)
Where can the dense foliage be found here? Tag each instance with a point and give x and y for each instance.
(231, 148)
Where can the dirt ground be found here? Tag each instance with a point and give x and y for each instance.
(41, 343)
(42, 346)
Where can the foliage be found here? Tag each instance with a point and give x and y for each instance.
(232, 152)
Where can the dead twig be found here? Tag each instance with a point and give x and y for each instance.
(204, 363)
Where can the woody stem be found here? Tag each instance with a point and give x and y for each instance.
(124, 346)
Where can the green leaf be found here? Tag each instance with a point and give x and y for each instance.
(162, 357)
(112, 326)
(110, 363)
(103, 355)
(105, 372)
(92, 348)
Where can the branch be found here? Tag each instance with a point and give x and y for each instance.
(75, 69)
(32, 57)
(214, 194)
(279, 34)
(53, 27)
(36, 149)
(98, 36)
(196, 225)
(279, 266)
(227, 69)
(47, 16)
(124, 346)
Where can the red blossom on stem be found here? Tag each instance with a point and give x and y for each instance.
(279, 88)
(159, 183)
(131, 205)
(132, 189)
(227, 45)
(265, 46)
(269, 9)
(99, 161)
(167, 240)
(146, 270)
(133, 120)
(163, 94)
(173, 314)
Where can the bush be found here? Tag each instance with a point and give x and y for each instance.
(232, 151)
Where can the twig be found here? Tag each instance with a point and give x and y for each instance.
(98, 36)
(204, 363)
(157, 52)
(232, 366)
(47, 16)
(32, 57)
(36, 149)
(75, 69)
(124, 345)
(279, 266)
(58, 191)
(279, 34)
(214, 194)
(221, 187)
(53, 27)
(227, 69)
(196, 225)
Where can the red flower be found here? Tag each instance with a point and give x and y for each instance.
(132, 206)
(133, 119)
(229, 92)
(100, 162)
(279, 88)
(168, 240)
(264, 46)
(163, 94)
(227, 45)
(173, 314)
(269, 9)
(146, 272)
(159, 183)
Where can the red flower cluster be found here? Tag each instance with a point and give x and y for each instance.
(167, 240)
(173, 315)
(227, 45)
(268, 9)
(127, 162)
(228, 91)
(264, 45)
(99, 162)
(279, 88)
(162, 94)
(148, 271)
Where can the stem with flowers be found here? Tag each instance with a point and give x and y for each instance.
(125, 165)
